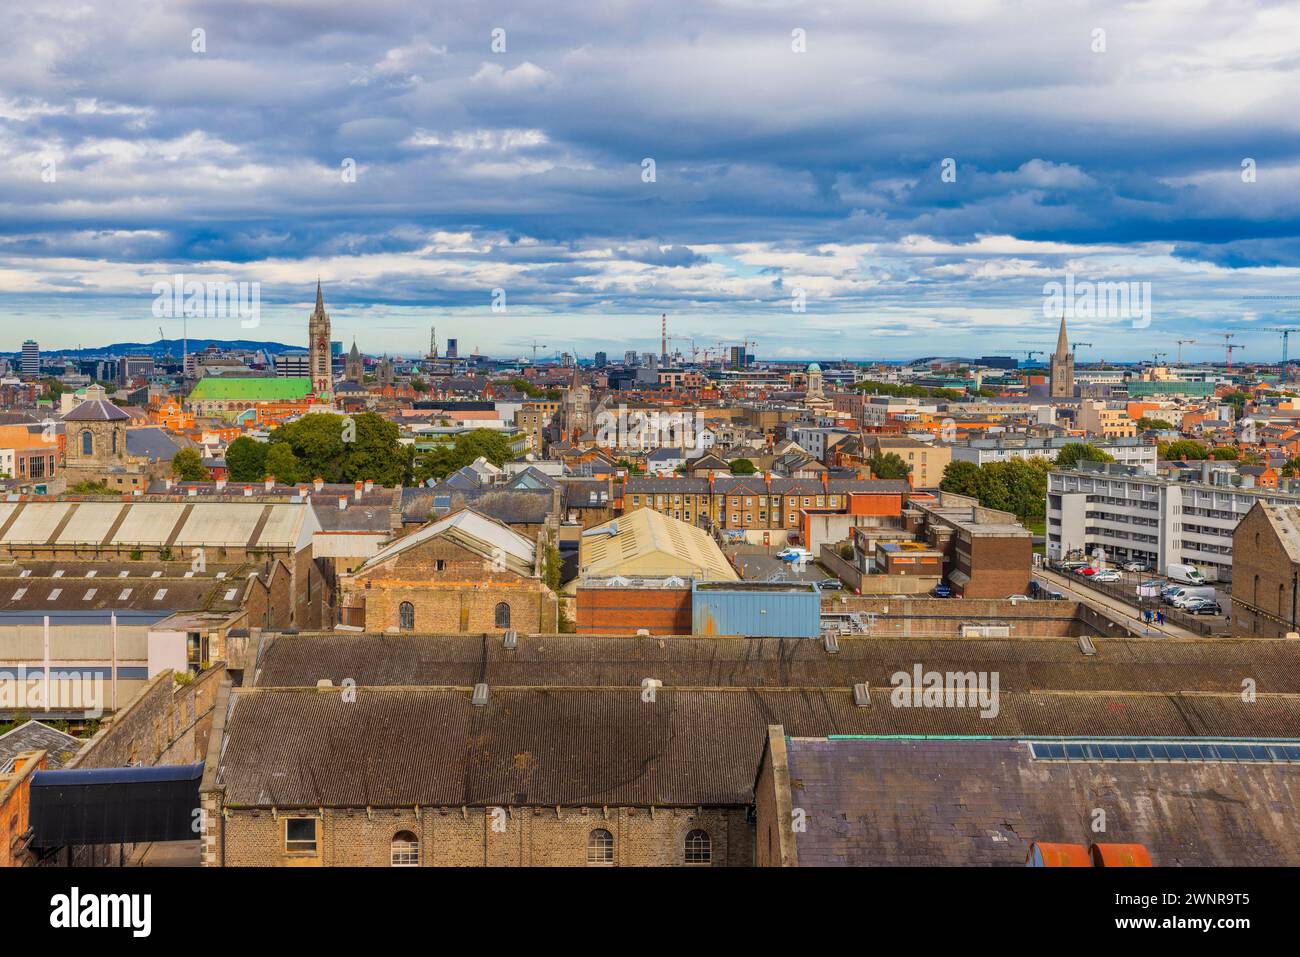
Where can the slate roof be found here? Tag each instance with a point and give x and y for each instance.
(152, 443)
(983, 802)
(96, 410)
(1024, 664)
(545, 747)
(37, 736)
(514, 506)
(725, 484)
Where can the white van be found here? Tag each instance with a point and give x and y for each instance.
(1184, 574)
(1184, 595)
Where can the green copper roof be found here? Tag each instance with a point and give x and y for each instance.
(250, 389)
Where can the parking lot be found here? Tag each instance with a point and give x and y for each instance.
(1126, 588)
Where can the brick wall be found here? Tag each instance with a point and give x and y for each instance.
(1261, 579)
(452, 589)
(452, 837)
(621, 611)
(15, 803)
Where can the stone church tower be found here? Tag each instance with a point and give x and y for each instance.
(318, 348)
(354, 368)
(1062, 366)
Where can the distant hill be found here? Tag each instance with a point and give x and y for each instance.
(161, 347)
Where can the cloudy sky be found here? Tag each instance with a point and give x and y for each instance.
(910, 175)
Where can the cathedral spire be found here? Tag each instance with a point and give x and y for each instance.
(1062, 340)
(320, 299)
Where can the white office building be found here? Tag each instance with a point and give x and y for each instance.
(1132, 516)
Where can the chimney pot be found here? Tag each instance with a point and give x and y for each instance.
(343, 502)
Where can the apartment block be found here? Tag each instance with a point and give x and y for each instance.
(1130, 451)
(1156, 520)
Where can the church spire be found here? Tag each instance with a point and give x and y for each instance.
(320, 299)
(1062, 340)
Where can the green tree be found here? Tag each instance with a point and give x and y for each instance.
(962, 478)
(187, 465)
(1159, 425)
(246, 459)
(742, 467)
(889, 465)
(1225, 453)
(1073, 453)
(375, 453)
(1182, 449)
(283, 464)
(445, 459)
(552, 567)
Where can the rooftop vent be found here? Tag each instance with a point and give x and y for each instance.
(324, 683)
(512, 640)
(862, 695)
(480, 698)
(1086, 645)
(831, 642)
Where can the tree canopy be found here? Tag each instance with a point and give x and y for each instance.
(889, 465)
(1073, 453)
(339, 449)
(1017, 485)
(743, 467)
(246, 460)
(1182, 449)
(468, 446)
(187, 465)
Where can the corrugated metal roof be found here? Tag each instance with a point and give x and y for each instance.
(35, 523)
(646, 542)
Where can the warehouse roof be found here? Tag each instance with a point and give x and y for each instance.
(646, 542)
(983, 802)
(1023, 664)
(386, 747)
(32, 736)
(250, 389)
(156, 524)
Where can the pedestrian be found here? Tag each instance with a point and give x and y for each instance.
(1160, 618)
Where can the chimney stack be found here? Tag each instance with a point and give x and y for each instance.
(270, 482)
(343, 503)
(356, 491)
(318, 483)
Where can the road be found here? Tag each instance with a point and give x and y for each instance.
(1103, 602)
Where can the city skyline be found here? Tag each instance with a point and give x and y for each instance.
(584, 174)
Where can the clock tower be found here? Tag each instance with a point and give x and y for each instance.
(318, 349)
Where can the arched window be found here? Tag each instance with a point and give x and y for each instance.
(600, 847)
(405, 850)
(503, 615)
(699, 848)
(406, 616)
(87, 443)
(115, 441)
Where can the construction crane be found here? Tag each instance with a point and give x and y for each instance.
(1029, 354)
(1156, 357)
(1181, 343)
(537, 345)
(1229, 347)
(1284, 333)
(1074, 348)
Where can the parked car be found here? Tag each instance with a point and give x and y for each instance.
(1109, 575)
(1136, 567)
(941, 591)
(794, 554)
(1017, 598)
(1073, 566)
(1087, 571)
(831, 584)
(1202, 606)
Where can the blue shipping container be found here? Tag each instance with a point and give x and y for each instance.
(756, 609)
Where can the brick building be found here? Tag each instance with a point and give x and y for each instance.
(1265, 571)
(758, 502)
(462, 573)
(473, 750)
(987, 553)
